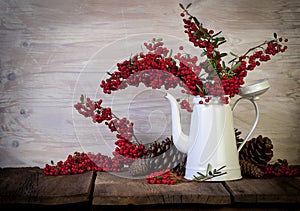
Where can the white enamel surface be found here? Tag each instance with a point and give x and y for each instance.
(255, 88)
(211, 140)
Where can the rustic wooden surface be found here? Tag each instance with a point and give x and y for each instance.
(119, 190)
(53, 51)
(273, 190)
(30, 186)
(115, 190)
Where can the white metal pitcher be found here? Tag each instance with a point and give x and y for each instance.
(211, 140)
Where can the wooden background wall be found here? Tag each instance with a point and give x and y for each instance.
(52, 51)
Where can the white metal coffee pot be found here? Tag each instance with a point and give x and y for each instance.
(212, 141)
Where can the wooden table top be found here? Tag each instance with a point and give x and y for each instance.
(30, 186)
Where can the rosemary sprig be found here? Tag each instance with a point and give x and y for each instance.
(209, 173)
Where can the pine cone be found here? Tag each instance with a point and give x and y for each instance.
(158, 148)
(257, 151)
(238, 139)
(249, 169)
(160, 156)
(169, 159)
(139, 167)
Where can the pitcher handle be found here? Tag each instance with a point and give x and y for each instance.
(252, 100)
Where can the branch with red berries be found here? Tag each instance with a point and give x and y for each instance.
(127, 147)
(232, 75)
(281, 168)
(157, 68)
(164, 177)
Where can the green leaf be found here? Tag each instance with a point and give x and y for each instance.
(208, 64)
(188, 5)
(216, 41)
(221, 168)
(204, 32)
(235, 66)
(204, 53)
(217, 34)
(219, 39)
(158, 39)
(182, 7)
(81, 99)
(234, 55)
(170, 54)
(223, 54)
(197, 33)
(160, 177)
(223, 65)
(220, 55)
(222, 42)
(202, 175)
(196, 21)
(208, 169)
(201, 90)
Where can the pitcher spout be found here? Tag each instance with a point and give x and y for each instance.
(179, 138)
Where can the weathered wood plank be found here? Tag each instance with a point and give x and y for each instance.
(30, 186)
(117, 190)
(272, 190)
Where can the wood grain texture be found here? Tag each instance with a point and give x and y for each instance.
(28, 187)
(115, 190)
(32, 186)
(53, 51)
(274, 190)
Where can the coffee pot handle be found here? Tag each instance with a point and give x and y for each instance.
(252, 100)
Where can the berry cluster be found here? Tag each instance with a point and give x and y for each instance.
(123, 127)
(153, 70)
(232, 77)
(156, 68)
(157, 46)
(199, 35)
(82, 162)
(93, 110)
(128, 151)
(184, 104)
(281, 168)
(189, 60)
(163, 177)
(186, 70)
(86, 109)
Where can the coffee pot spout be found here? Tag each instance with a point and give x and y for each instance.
(179, 138)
